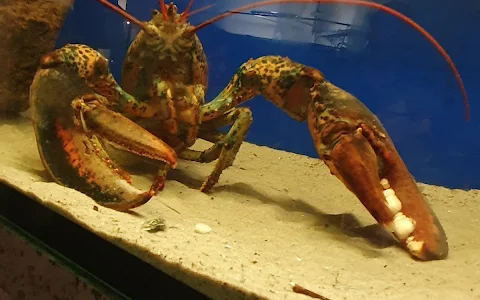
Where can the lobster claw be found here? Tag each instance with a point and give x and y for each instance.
(366, 161)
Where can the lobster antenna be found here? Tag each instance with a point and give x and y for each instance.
(184, 14)
(163, 8)
(191, 13)
(364, 3)
(123, 13)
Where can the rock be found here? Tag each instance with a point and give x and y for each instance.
(202, 228)
(29, 30)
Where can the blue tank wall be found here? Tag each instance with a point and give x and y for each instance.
(400, 77)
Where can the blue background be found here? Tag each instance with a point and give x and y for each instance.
(400, 77)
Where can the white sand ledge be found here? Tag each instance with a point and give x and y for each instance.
(276, 217)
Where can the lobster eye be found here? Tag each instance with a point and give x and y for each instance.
(155, 12)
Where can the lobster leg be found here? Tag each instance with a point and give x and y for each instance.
(210, 135)
(205, 156)
(208, 155)
(351, 141)
(249, 79)
(226, 147)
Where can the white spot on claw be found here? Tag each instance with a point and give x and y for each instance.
(385, 184)
(388, 192)
(415, 247)
(393, 203)
(403, 226)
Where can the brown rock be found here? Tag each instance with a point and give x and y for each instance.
(29, 29)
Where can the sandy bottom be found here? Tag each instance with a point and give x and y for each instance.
(276, 217)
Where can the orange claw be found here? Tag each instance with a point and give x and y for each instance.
(428, 240)
(359, 152)
(355, 162)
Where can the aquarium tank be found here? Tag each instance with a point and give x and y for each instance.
(276, 149)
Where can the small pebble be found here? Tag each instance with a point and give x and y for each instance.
(202, 228)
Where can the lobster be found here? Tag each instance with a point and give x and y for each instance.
(159, 111)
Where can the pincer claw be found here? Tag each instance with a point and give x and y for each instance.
(366, 161)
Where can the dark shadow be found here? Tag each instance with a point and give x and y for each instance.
(185, 178)
(43, 175)
(347, 224)
(133, 213)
